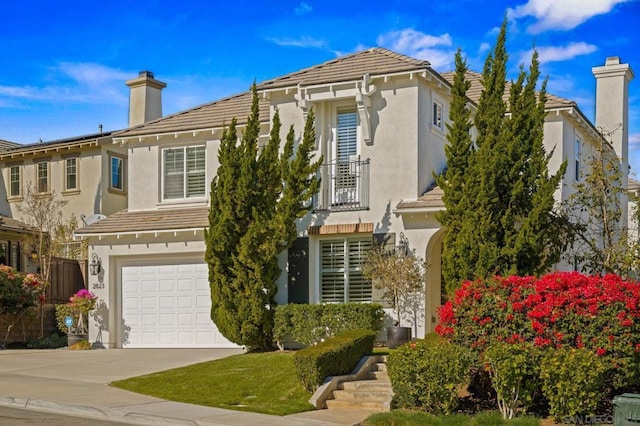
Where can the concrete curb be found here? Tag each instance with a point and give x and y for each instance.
(86, 411)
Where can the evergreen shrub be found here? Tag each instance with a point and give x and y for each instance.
(428, 374)
(513, 369)
(310, 324)
(333, 357)
(572, 381)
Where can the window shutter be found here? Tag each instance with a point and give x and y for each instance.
(332, 271)
(388, 242)
(173, 173)
(195, 171)
(359, 286)
(298, 271)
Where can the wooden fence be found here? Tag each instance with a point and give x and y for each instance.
(67, 277)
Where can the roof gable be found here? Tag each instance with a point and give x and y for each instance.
(374, 61)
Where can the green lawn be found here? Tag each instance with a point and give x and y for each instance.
(258, 382)
(410, 418)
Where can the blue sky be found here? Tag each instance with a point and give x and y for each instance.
(65, 62)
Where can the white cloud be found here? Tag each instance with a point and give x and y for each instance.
(634, 140)
(484, 47)
(303, 41)
(559, 53)
(93, 74)
(420, 45)
(74, 82)
(561, 15)
(303, 8)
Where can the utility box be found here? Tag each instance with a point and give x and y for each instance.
(626, 410)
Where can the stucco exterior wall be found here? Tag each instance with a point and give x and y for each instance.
(92, 195)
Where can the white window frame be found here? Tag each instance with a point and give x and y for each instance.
(185, 174)
(76, 170)
(346, 270)
(437, 114)
(18, 168)
(45, 176)
(348, 191)
(122, 161)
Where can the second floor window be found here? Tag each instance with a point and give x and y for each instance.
(116, 180)
(183, 172)
(15, 181)
(42, 171)
(70, 174)
(437, 115)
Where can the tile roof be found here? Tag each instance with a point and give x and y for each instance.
(475, 91)
(432, 198)
(7, 145)
(67, 143)
(375, 61)
(11, 224)
(208, 116)
(149, 221)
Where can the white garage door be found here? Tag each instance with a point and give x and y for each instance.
(168, 306)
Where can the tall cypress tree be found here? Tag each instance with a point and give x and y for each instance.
(502, 219)
(255, 199)
(458, 152)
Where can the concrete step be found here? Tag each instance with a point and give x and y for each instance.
(366, 385)
(353, 404)
(381, 366)
(377, 375)
(362, 395)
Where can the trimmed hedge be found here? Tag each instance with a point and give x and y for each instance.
(427, 374)
(334, 357)
(310, 324)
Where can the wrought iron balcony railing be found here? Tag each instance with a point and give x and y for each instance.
(345, 186)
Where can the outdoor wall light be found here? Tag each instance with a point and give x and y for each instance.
(403, 246)
(95, 265)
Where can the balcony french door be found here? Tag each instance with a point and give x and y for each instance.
(345, 182)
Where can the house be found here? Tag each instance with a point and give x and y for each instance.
(87, 172)
(380, 124)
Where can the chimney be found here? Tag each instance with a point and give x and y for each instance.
(145, 98)
(612, 110)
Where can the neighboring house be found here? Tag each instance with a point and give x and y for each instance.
(381, 126)
(88, 172)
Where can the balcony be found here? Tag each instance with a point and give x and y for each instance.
(345, 186)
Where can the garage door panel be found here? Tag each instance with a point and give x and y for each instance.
(169, 306)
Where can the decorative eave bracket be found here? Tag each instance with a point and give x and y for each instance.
(363, 103)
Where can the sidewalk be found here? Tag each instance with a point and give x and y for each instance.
(75, 383)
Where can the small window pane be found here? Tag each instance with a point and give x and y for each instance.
(15, 181)
(117, 177)
(437, 114)
(71, 170)
(43, 177)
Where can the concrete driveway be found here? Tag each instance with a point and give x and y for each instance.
(76, 383)
(100, 366)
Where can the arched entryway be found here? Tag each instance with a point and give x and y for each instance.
(433, 278)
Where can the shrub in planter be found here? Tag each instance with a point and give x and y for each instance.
(333, 357)
(428, 374)
(572, 380)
